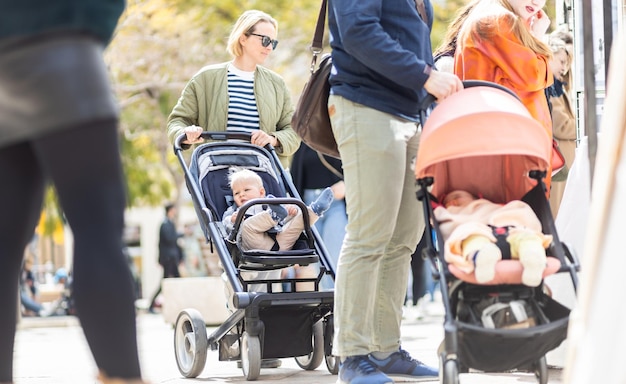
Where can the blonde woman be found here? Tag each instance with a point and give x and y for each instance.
(563, 117)
(240, 94)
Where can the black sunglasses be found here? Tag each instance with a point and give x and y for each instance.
(266, 40)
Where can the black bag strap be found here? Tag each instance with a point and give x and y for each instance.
(318, 36)
(328, 165)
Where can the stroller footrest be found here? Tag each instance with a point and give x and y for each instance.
(264, 259)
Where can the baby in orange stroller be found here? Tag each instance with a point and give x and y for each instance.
(472, 228)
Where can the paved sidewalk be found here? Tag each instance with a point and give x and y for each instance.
(54, 351)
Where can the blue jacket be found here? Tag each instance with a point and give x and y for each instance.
(381, 53)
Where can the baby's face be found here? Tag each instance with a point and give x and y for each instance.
(457, 199)
(245, 190)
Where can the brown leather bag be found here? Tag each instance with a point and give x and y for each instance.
(311, 120)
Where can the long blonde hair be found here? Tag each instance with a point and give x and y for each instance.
(481, 24)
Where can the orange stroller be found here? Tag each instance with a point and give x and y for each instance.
(484, 141)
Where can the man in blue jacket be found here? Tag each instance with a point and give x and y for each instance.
(382, 69)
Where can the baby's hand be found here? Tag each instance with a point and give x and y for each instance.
(291, 209)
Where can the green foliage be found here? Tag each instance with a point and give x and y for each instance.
(445, 12)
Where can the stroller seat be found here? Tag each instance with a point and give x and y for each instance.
(215, 167)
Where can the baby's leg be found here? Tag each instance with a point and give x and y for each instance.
(528, 248)
(485, 255)
(254, 232)
(292, 230)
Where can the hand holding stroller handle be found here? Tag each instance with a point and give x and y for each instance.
(214, 136)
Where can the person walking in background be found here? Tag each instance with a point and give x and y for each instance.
(59, 125)
(382, 69)
(312, 172)
(501, 42)
(563, 118)
(170, 253)
(240, 94)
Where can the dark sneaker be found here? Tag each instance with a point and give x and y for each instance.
(360, 370)
(323, 202)
(401, 364)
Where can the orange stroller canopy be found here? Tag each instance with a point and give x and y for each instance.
(482, 140)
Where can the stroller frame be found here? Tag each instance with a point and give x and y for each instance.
(263, 325)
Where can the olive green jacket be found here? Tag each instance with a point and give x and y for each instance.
(204, 102)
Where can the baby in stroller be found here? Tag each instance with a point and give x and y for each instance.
(477, 232)
(269, 226)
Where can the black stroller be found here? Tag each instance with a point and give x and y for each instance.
(484, 141)
(263, 325)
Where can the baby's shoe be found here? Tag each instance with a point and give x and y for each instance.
(323, 202)
(532, 255)
(485, 260)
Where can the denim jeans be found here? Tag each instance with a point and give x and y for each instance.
(332, 229)
(378, 152)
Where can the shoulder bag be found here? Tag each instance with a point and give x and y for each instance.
(310, 120)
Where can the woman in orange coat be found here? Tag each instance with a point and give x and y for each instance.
(501, 42)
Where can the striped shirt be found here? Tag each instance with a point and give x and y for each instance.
(243, 114)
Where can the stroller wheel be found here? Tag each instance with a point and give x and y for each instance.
(314, 359)
(450, 372)
(541, 370)
(332, 363)
(190, 342)
(250, 356)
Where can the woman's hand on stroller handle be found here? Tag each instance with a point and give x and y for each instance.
(262, 139)
(193, 135)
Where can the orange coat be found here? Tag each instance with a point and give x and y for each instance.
(505, 61)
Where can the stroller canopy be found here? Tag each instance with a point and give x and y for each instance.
(482, 140)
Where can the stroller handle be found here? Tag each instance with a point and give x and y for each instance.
(215, 136)
(430, 99)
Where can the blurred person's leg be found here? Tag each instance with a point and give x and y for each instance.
(21, 196)
(85, 167)
(418, 288)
